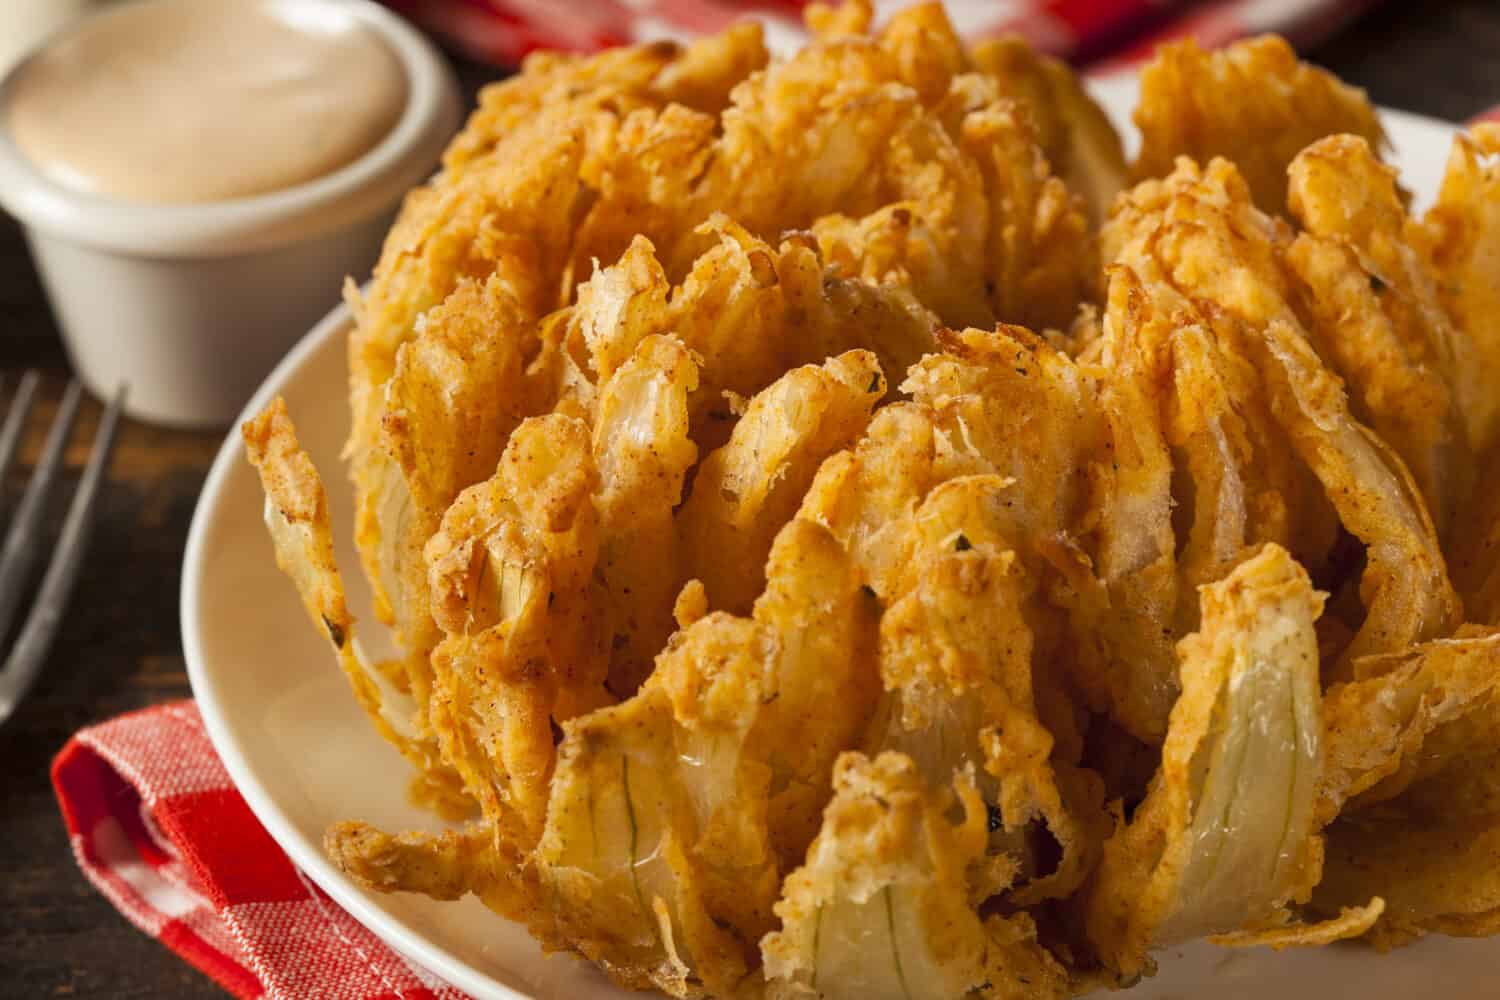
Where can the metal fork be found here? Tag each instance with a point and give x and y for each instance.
(24, 541)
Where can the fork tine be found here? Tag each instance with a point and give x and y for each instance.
(30, 651)
(15, 420)
(24, 539)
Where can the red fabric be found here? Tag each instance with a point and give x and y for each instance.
(503, 31)
(158, 828)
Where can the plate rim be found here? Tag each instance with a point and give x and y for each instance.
(307, 856)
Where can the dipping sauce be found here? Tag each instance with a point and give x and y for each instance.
(206, 100)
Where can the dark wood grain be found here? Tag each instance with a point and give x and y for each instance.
(121, 649)
(1437, 59)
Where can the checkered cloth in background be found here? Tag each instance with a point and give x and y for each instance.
(1110, 32)
(158, 827)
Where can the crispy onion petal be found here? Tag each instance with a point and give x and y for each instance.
(867, 496)
(1405, 585)
(1252, 102)
(1436, 875)
(447, 865)
(1198, 230)
(643, 453)
(511, 578)
(1412, 746)
(745, 491)
(706, 786)
(296, 513)
(1042, 258)
(1377, 725)
(1377, 317)
(1351, 922)
(1461, 236)
(451, 404)
(881, 909)
(1226, 836)
(1075, 134)
(957, 661)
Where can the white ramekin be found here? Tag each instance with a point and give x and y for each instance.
(193, 304)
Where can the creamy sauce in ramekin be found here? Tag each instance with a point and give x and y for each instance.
(175, 101)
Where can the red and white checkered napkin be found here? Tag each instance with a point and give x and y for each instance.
(157, 826)
(1115, 31)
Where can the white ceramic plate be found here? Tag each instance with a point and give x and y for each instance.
(300, 751)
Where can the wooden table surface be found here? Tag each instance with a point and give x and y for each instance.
(120, 649)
